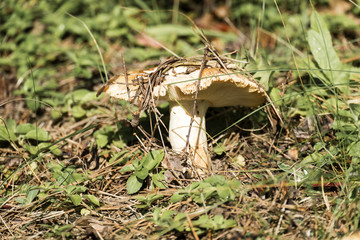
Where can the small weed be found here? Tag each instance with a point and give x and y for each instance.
(144, 168)
(57, 231)
(32, 138)
(147, 200)
(168, 220)
(212, 189)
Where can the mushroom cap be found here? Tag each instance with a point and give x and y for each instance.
(218, 87)
(117, 86)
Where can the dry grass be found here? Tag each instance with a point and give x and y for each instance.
(267, 205)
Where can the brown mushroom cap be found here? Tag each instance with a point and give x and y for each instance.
(217, 87)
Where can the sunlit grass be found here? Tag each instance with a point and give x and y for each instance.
(84, 150)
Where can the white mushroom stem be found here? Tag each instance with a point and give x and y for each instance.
(180, 118)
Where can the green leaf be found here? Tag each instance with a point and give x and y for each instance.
(78, 112)
(179, 220)
(323, 52)
(204, 222)
(208, 193)
(127, 168)
(311, 159)
(230, 223)
(38, 134)
(275, 96)
(216, 180)
(141, 198)
(101, 140)
(219, 149)
(42, 196)
(218, 219)
(11, 124)
(33, 104)
(147, 200)
(354, 149)
(90, 96)
(262, 74)
(31, 194)
(33, 166)
(62, 229)
(159, 180)
(142, 174)
(54, 149)
(319, 146)
(221, 223)
(321, 47)
(118, 156)
(94, 200)
(85, 212)
(156, 214)
(119, 143)
(154, 197)
(104, 136)
(137, 164)
(76, 199)
(163, 31)
(225, 193)
(80, 96)
(167, 215)
(6, 135)
(23, 129)
(55, 167)
(152, 159)
(284, 167)
(67, 175)
(177, 197)
(318, 24)
(21, 200)
(7, 132)
(56, 114)
(72, 189)
(31, 149)
(133, 184)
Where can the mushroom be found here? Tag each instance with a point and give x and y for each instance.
(216, 88)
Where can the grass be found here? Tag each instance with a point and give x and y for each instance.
(69, 159)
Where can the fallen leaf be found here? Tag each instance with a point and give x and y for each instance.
(293, 153)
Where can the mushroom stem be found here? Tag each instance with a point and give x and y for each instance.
(180, 118)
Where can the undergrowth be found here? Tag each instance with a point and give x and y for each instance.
(72, 165)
